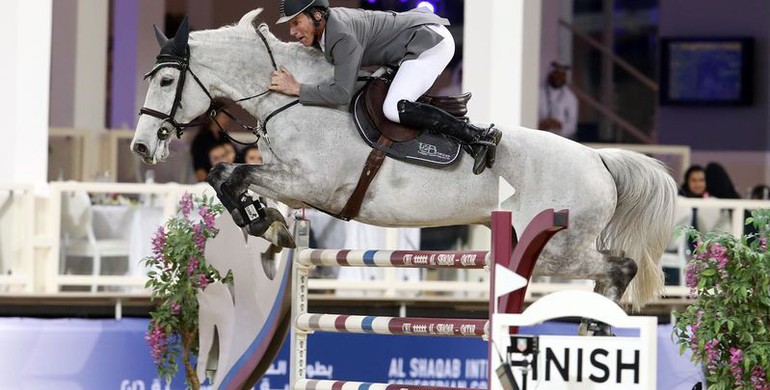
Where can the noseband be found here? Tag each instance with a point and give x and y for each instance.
(183, 64)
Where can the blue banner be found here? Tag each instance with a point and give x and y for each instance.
(76, 354)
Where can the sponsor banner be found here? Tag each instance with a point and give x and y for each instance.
(77, 354)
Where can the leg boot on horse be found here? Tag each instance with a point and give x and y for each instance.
(612, 284)
(249, 213)
(481, 142)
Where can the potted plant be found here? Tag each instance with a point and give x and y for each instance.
(726, 325)
(177, 271)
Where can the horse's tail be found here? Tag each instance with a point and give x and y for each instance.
(642, 225)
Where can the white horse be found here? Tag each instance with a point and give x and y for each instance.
(621, 203)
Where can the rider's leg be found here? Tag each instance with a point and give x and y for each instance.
(413, 79)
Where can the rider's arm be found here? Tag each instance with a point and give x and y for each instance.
(346, 55)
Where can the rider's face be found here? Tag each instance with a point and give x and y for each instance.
(302, 29)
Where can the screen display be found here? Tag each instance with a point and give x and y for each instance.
(716, 71)
(705, 70)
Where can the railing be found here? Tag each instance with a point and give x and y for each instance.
(36, 257)
(602, 106)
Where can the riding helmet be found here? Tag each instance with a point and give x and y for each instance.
(291, 8)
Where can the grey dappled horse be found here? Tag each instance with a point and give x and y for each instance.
(621, 203)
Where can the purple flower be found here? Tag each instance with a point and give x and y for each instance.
(716, 250)
(203, 281)
(736, 368)
(158, 241)
(175, 308)
(157, 340)
(759, 379)
(186, 204)
(763, 244)
(712, 355)
(192, 266)
(208, 217)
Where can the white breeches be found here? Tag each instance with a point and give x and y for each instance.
(415, 77)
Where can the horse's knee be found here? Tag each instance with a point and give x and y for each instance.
(219, 174)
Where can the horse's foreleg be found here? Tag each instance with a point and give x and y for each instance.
(612, 284)
(218, 176)
(248, 212)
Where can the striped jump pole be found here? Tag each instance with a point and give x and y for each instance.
(310, 384)
(392, 325)
(387, 258)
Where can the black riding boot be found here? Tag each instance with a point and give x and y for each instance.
(479, 142)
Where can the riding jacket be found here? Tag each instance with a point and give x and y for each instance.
(354, 38)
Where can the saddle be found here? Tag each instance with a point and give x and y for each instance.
(416, 146)
(387, 138)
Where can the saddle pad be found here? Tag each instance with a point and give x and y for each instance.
(428, 148)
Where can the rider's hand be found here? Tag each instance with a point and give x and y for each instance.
(282, 81)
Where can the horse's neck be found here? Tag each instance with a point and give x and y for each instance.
(239, 69)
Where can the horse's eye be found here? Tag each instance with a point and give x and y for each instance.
(165, 82)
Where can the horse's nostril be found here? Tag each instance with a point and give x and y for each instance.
(141, 149)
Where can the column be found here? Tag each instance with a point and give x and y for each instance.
(500, 70)
(25, 41)
(134, 51)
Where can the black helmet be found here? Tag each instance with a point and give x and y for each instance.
(292, 8)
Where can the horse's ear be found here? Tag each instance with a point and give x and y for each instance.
(160, 36)
(250, 17)
(181, 37)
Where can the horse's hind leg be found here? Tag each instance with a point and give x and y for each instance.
(612, 284)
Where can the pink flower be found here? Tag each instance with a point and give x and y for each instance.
(192, 266)
(175, 308)
(199, 237)
(158, 241)
(759, 379)
(157, 340)
(736, 368)
(763, 244)
(712, 355)
(208, 217)
(203, 281)
(186, 204)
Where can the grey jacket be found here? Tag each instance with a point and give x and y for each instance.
(356, 38)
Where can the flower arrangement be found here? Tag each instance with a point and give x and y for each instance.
(726, 326)
(178, 271)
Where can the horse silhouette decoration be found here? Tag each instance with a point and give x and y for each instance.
(621, 203)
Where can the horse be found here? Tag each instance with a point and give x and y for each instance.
(621, 203)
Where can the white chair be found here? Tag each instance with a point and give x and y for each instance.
(78, 238)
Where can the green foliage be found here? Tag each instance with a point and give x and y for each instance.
(726, 326)
(177, 271)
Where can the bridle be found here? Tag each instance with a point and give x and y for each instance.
(183, 64)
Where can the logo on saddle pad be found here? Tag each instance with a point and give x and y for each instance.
(432, 151)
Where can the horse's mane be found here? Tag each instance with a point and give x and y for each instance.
(245, 30)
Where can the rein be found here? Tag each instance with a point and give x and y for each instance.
(183, 64)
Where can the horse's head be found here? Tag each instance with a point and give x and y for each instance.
(172, 102)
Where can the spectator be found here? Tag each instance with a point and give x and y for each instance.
(558, 104)
(250, 155)
(206, 139)
(223, 152)
(694, 185)
(718, 182)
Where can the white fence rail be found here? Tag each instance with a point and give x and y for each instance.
(32, 260)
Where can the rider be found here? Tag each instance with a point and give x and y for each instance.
(417, 41)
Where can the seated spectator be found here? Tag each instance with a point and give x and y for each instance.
(223, 152)
(250, 155)
(760, 192)
(202, 143)
(719, 183)
(694, 185)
